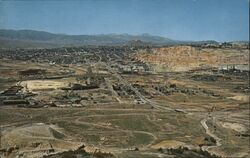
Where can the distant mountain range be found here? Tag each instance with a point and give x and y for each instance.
(41, 39)
(30, 38)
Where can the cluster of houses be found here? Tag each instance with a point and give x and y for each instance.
(239, 67)
(131, 69)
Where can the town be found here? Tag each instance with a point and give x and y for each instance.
(131, 93)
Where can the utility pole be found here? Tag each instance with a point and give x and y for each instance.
(0, 136)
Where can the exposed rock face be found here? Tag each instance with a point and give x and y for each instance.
(185, 58)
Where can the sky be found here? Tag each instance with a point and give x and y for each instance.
(221, 20)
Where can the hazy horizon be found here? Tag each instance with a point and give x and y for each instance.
(141, 34)
(193, 20)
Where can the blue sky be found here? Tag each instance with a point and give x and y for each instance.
(221, 20)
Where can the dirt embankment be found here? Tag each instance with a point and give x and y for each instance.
(36, 140)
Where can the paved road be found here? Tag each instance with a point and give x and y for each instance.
(109, 84)
(142, 98)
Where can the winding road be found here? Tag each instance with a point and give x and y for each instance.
(211, 134)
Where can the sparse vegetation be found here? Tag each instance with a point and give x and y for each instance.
(132, 110)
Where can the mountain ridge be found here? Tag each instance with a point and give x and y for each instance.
(32, 36)
(42, 39)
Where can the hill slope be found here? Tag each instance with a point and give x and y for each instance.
(30, 38)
